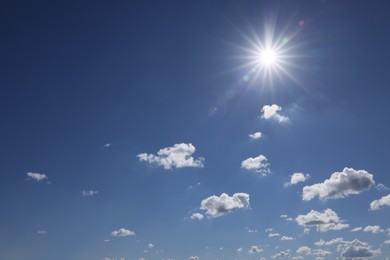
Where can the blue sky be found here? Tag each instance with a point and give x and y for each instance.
(155, 130)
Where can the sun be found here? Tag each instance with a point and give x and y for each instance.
(268, 57)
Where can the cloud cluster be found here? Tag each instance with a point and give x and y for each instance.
(281, 254)
(322, 242)
(382, 202)
(217, 206)
(304, 250)
(358, 250)
(255, 136)
(177, 156)
(258, 164)
(37, 176)
(340, 185)
(272, 112)
(122, 233)
(322, 221)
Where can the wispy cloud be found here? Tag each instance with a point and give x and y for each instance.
(272, 112)
(217, 206)
(177, 156)
(89, 193)
(340, 185)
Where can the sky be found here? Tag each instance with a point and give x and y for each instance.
(187, 130)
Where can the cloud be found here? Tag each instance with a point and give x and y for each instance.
(258, 164)
(356, 229)
(177, 156)
(287, 238)
(37, 176)
(255, 136)
(338, 240)
(122, 233)
(150, 245)
(255, 249)
(42, 232)
(197, 216)
(89, 193)
(357, 249)
(340, 185)
(321, 252)
(240, 250)
(387, 242)
(323, 222)
(107, 145)
(382, 202)
(304, 250)
(193, 258)
(373, 229)
(271, 112)
(281, 254)
(297, 178)
(217, 206)
(273, 235)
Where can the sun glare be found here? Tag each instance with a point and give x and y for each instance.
(268, 57)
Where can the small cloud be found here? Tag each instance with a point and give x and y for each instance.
(273, 234)
(150, 245)
(122, 233)
(37, 176)
(258, 164)
(387, 242)
(177, 156)
(213, 111)
(334, 241)
(217, 206)
(304, 250)
(281, 254)
(197, 216)
(272, 112)
(42, 232)
(381, 187)
(297, 178)
(89, 193)
(252, 231)
(380, 203)
(106, 240)
(373, 229)
(107, 145)
(193, 258)
(255, 136)
(254, 250)
(240, 250)
(340, 185)
(322, 221)
(287, 238)
(356, 229)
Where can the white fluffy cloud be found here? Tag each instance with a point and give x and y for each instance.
(297, 178)
(254, 250)
(258, 164)
(322, 221)
(272, 112)
(122, 233)
(217, 206)
(197, 216)
(340, 185)
(89, 193)
(358, 250)
(255, 136)
(37, 176)
(304, 250)
(177, 156)
(382, 202)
